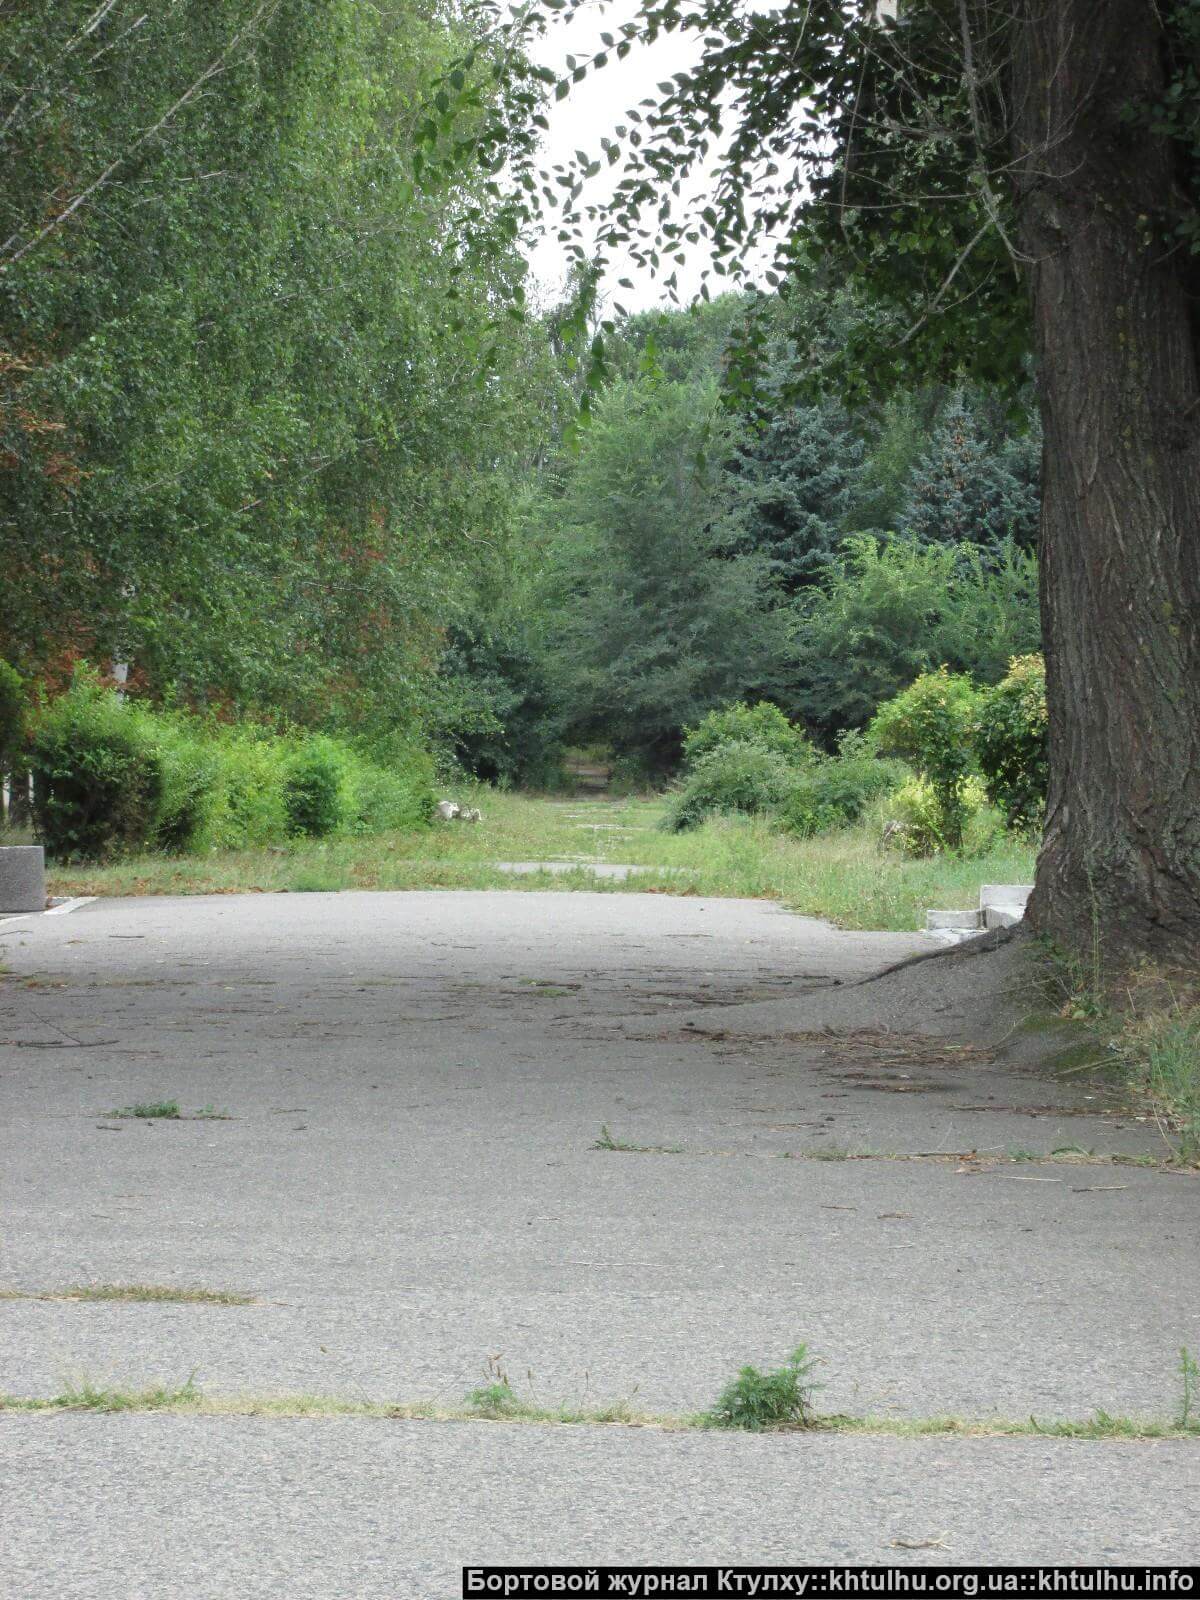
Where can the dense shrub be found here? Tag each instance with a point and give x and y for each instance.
(1011, 742)
(916, 807)
(390, 788)
(930, 725)
(762, 724)
(740, 776)
(246, 807)
(314, 788)
(12, 714)
(97, 768)
(492, 707)
(191, 775)
(113, 776)
(833, 793)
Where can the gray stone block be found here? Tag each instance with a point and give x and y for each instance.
(22, 878)
(936, 920)
(1012, 896)
(1002, 916)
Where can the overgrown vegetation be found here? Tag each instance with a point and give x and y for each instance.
(112, 777)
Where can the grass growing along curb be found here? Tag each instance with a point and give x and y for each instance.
(187, 1400)
(753, 1402)
(844, 876)
(131, 1293)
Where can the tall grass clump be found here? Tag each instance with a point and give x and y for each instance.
(1161, 1049)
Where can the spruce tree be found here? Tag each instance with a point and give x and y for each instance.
(964, 489)
(799, 477)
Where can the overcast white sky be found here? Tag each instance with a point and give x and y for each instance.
(593, 108)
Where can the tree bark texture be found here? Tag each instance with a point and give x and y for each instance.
(1119, 871)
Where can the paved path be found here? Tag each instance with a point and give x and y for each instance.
(408, 1186)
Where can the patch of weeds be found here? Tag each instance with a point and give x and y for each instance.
(1189, 1373)
(87, 1396)
(498, 1401)
(1062, 1152)
(168, 1111)
(1150, 1029)
(829, 1152)
(156, 1110)
(760, 1400)
(140, 1293)
(1162, 1052)
(315, 881)
(755, 1401)
(607, 1142)
(547, 990)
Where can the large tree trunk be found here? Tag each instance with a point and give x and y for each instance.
(1120, 402)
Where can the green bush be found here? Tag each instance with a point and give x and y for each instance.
(391, 788)
(834, 793)
(763, 725)
(97, 768)
(756, 1400)
(740, 777)
(931, 724)
(1011, 742)
(314, 788)
(922, 832)
(113, 776)
(191, 775)
(246, 807)
(12, 714)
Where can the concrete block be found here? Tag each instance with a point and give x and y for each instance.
(22, 878)
(938, 920)
(1001, 916)
(1012, 896)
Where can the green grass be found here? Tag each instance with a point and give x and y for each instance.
(845, 876)
(606, 1141)
(754, 1401)
(493, 1405)
(1147, 1028)
(158, 1110)
(167, 1111)
(1162, 1056)
(134, 1293)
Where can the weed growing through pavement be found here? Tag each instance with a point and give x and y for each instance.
(607, 1142)
(167, 1111)
(758, 1400)
(87, 1396)
(1188, 1375)
(156, 1110)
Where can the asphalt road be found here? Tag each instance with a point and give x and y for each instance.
(407, 1184)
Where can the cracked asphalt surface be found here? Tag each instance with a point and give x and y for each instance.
(405, 1178)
